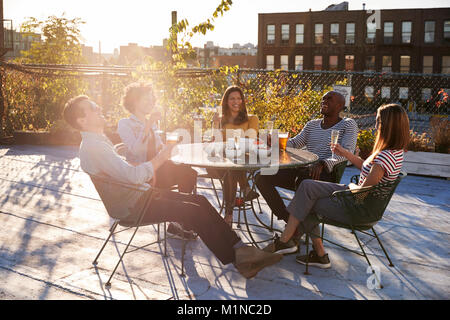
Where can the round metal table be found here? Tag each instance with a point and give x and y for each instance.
(200, 155)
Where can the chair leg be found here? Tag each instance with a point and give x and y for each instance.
(307, 254)
(323, 230)
(382, 247)
(183, 251)
(111, 232)
(108, 284)
(215, 192)
(367, 258)
(259, 205)
(165, 240)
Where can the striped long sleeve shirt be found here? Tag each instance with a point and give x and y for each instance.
(390, 160)
(317, 140)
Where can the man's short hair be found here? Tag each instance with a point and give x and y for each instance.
(340, 99)
(72, 111)
(133, 92)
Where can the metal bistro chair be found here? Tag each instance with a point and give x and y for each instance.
(103, 186)
(365, 207)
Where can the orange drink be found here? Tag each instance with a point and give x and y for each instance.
(283, 139)
(172, 138)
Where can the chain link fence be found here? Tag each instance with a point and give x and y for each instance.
(291, 98)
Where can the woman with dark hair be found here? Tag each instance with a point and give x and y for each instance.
(235, 117)
(383, 165)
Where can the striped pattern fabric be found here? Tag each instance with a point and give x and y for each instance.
(390, 160)
(317, 140)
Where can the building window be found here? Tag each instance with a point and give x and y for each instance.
(333, 63)
(406, 31)
(284, 62)
(427, 64)
(426, 94)
(371, 32)
(370, 63)
(368, 92)
(446, 64)
(349, 63)
(387, 64)
(429, 31)
(270, 34)
(388, 32)
(334, 33)
(298, 63)
(385, 92)
(270, 62)
(299, 33)
(285, 34)
(447, 31)
(318, 33)
(317, 62)
(403, 93)
(350, 33)
(405, 63)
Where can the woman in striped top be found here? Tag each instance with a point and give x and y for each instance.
(383, 165)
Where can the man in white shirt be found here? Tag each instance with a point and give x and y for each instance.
(98, 157)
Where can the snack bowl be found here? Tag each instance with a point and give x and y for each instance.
(213, 149)
(233, 153)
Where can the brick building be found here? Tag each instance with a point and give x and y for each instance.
(398, 40)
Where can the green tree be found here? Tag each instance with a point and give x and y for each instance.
(180, 93)
(35, 100)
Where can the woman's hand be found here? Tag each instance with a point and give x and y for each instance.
(339, 150)
(216, 117)
(155, 117)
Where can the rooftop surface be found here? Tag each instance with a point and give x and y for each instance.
(52, 224)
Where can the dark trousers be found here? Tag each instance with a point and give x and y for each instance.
(287, 179)
(170, 174)
(231, 178)
(196, 213)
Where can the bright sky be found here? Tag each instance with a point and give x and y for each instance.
(146, 22)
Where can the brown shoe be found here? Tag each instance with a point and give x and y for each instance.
(251, 260)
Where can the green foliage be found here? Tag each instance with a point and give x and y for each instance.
(274, 95)
(35, 101)
(365, 141)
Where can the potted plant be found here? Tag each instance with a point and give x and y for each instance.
(365, 143)
(440, 133)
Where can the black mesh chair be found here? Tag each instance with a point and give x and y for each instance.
(365, 207)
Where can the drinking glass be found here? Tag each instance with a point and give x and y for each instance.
(283, 139)
(269, 128)
(237, 138)
(172, 137)
(334, 140)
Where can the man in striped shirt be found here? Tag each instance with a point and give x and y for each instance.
(316, 138)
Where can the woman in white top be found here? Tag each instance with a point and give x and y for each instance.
(143, 143)
(383, 165)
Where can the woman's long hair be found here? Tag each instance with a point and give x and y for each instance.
(392, 129)
(226, 113)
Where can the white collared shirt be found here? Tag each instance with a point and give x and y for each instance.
(97, 156)
(132, 133)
